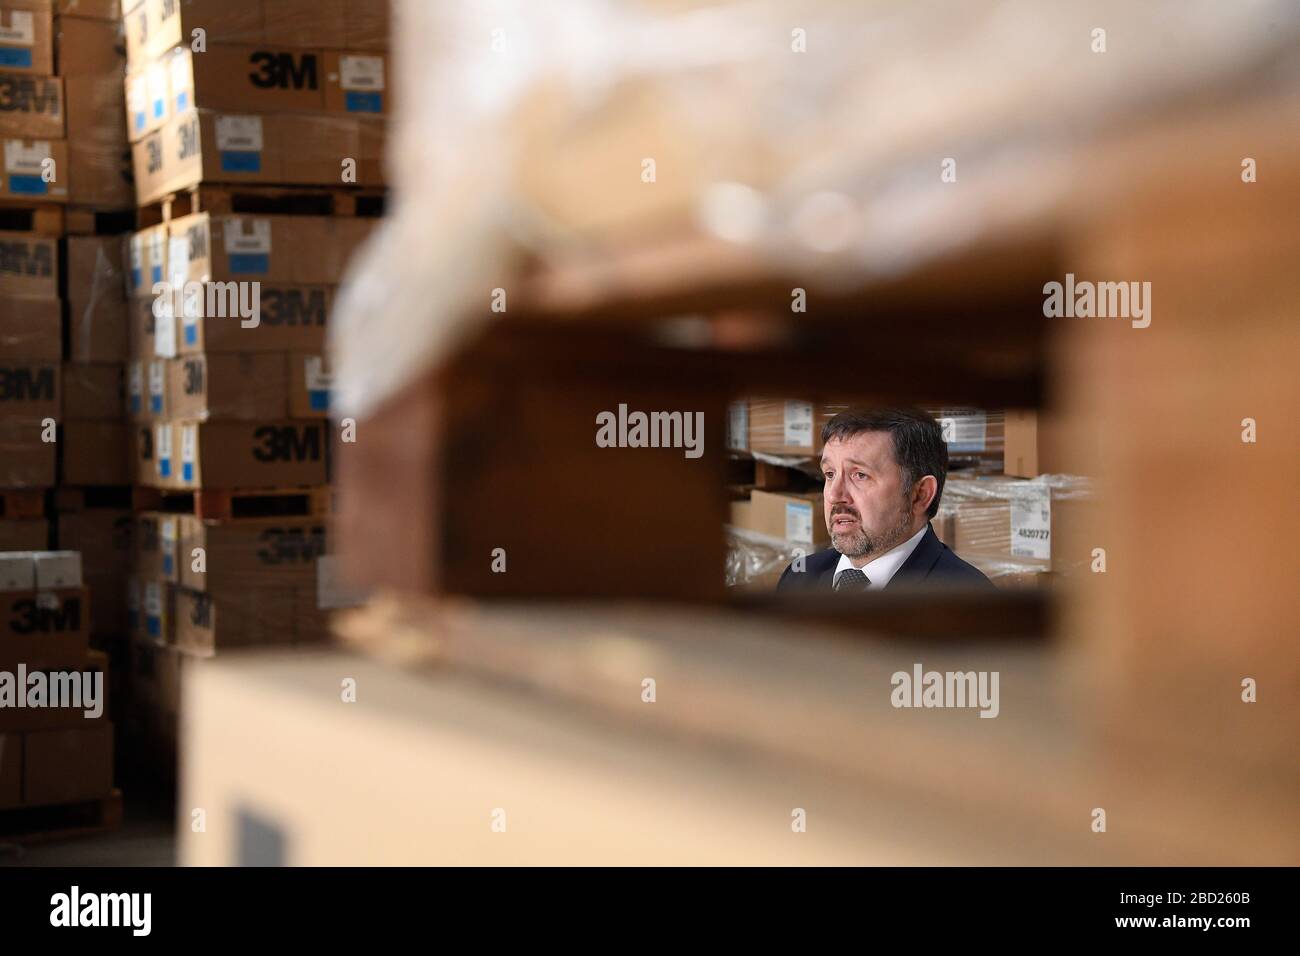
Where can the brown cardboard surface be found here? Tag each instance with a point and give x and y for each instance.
(31, 329)
(31, 106)
(261, 454)
(97, 313)
(767, 426)
(171, 22)
(88, 46)
(315, 23)
(301, 250)
(292, 318)
(27, 28)
(24, 534)
(141, 337)
(275, 552)
(102, 535)
(67, 766)
(228, 385)
(248, 78)
(11, 770)
(29, 265)
(30, 390)
(99, 155)
(95, 453)
(94, 392)
(28, 182)
(211, 622)
(784, 515)
(45, 629)
(1039, 443)
(25, 460)
(367, 25)
(157, 554)
(92, 9)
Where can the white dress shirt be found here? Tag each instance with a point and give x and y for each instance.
(880, 571)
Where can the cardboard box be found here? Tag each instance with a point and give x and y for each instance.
(31, 331)
(68, 765)
(1048, 529)
(29, 265)
(26, 32)
(315, 23)
(246, 79)
(89, 47)
(99, 154)
(142, 328)
(103, 536)
(240, 555)
(208, 622)
(778, 427)
(157, 546)
(310, 380)
(44, 628)
(291, 318)
(97, 312)
(96, 453)
(157, 619)
(356, 82)
(29, 390)
(24, 534)
(35, 170)
(233, 455)
(57, 569)
(146, 261)
(171, 22)
(25, 460)
(146, 465)
(226, 385)
(1040, 443)
(93, 392)
(301, 149)
(31, 106)
(299, 250)
(17, 571)
(793, 517)
(11, 770)
(367, 25)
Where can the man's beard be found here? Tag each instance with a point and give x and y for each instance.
(860, 543)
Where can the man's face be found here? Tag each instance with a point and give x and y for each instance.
(869, 509)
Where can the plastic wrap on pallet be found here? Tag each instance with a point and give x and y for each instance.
(99, 156)
(97, 311)
(526, 131)
(1009, 526)
(757, 560)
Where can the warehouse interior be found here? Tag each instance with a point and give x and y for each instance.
(408, 412)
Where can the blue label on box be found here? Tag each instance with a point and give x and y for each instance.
(167, 558)
(28, 186)
(137, 277)
(15, 56)
(139, 121)
(187, 471)
(182, 101)
(155, 274)
(153, 625)
(155, 404)
(165, 467)
(158, 108)
(254, 262)
(319, 399)
(135, 403)
(191, 334)
(364, 102)
(240, 161)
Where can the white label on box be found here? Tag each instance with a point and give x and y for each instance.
(965, 433)
(164, 339)
(47, 601)
(58, 569)
(156, 79)
(738, 425)
(318, 379)
(798, 424)
(180, 70)
(244, 236)
(135, 380)
(153, 598)
(189, 442)
(361, 72)
(157, 251)
(157, 379)
(26, 160)
(799, 522)
(162, 440)
(21, 30)
(17, 571)
(167, 532)
(178, 260)
(241, 134)
(137, 252)
(1031, 522)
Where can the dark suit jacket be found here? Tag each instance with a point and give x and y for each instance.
(931, 563)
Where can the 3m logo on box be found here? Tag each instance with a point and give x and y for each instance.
(281, 546)
(283, 70)
(293, 306)
(31, 106)
(26, 384)
(287, 443)
(46, 614)
(24, 258)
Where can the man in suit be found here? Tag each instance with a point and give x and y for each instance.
(884, 472)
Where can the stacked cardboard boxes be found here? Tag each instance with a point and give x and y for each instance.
(56, 737)
(254, 128)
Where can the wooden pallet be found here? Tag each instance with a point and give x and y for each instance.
(263, 200)
(22, 503)
(226, 504)
(84, 221)
(28, 826)
(76, 500)
(37, 218)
